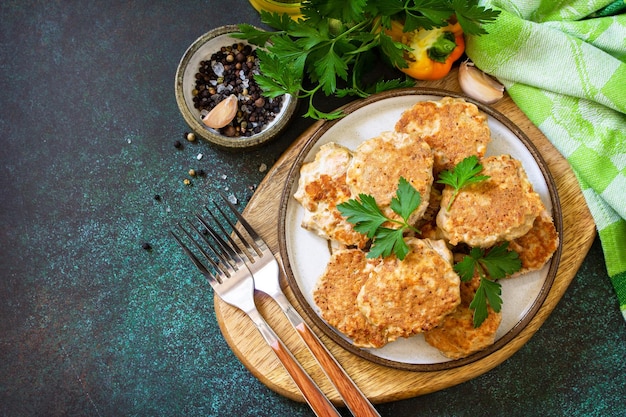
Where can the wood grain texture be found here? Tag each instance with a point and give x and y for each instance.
(380, 383)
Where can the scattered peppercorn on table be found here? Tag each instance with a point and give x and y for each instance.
(102, 314)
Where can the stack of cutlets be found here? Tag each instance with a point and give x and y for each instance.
(376, 301)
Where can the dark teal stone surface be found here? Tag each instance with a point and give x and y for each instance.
(91, 324)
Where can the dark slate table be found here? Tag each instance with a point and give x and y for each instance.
(92, 324)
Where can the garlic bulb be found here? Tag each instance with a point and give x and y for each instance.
(479, 85)
(222, 114)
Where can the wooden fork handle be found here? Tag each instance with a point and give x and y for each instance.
(355, 400)
(313, 395)
(352, 396)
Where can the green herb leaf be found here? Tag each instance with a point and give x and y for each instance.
(251, 34)
(471, 16)
(406, 201)
(368, 219)
(279, 77)
(491, 265)
(464, 173)
(467, 266)
(280, 21)
(394, 51)
(488, 291)
(392, 84)
(328, 68)
(388, 241)
(364, 214)
(500, 262)
(344, 11)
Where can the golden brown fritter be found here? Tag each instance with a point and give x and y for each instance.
(536, 247)
(322, 186)
(411, 296)
(335, 296)
(454, 129)
(379, 162)
(500, 208)
(456, 336)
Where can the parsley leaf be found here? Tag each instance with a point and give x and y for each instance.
(500, 261)
(471, 16)
(488, 291)
(364, 214)
(368, 219)
(277, 76)
(407, 199)
(464, 173)
(329, 67)
(388, 241)
(491, 265)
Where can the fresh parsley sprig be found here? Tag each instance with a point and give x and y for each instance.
(329, 49)
(368, 219)
(464, 173)
(491, 265)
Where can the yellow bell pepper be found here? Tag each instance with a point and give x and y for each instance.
(432, 51)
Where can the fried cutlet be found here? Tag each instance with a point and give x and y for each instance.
(537, 246)
(454, 129)
(335, 296)
(414, 295)
(321, 187)
(456, 337)
(502, 207)
(379, 162)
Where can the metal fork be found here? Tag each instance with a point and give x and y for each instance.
(231, 280)
(265, 269)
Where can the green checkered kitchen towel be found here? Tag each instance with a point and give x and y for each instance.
(564, 65)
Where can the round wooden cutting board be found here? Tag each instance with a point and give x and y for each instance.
(378, 382)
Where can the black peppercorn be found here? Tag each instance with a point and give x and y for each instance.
(231, 71)
(146, 246)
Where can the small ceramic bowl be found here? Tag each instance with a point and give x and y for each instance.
(201, 50)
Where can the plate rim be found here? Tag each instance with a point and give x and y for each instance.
(505, 339)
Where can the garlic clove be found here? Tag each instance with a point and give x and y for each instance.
(222, 114)
(478, 85)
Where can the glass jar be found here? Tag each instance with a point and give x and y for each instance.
(291, 7)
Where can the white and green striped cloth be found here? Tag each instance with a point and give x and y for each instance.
(564, 64)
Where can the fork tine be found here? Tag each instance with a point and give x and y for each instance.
(223, 252)
(194, 259)
(232, 247)
(215, 265)
(190, 254)
(248, 246)
(253, 234)
(229, 253)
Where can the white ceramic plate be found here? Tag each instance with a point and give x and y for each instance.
(305, 254)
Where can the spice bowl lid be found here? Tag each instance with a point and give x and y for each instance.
(200, 50)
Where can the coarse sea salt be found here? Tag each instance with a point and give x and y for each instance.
(218, 68)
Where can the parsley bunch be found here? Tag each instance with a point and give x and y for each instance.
(368, 219)
(335, 42)
(490, 265)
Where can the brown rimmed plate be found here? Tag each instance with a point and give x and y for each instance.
(305, 254)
